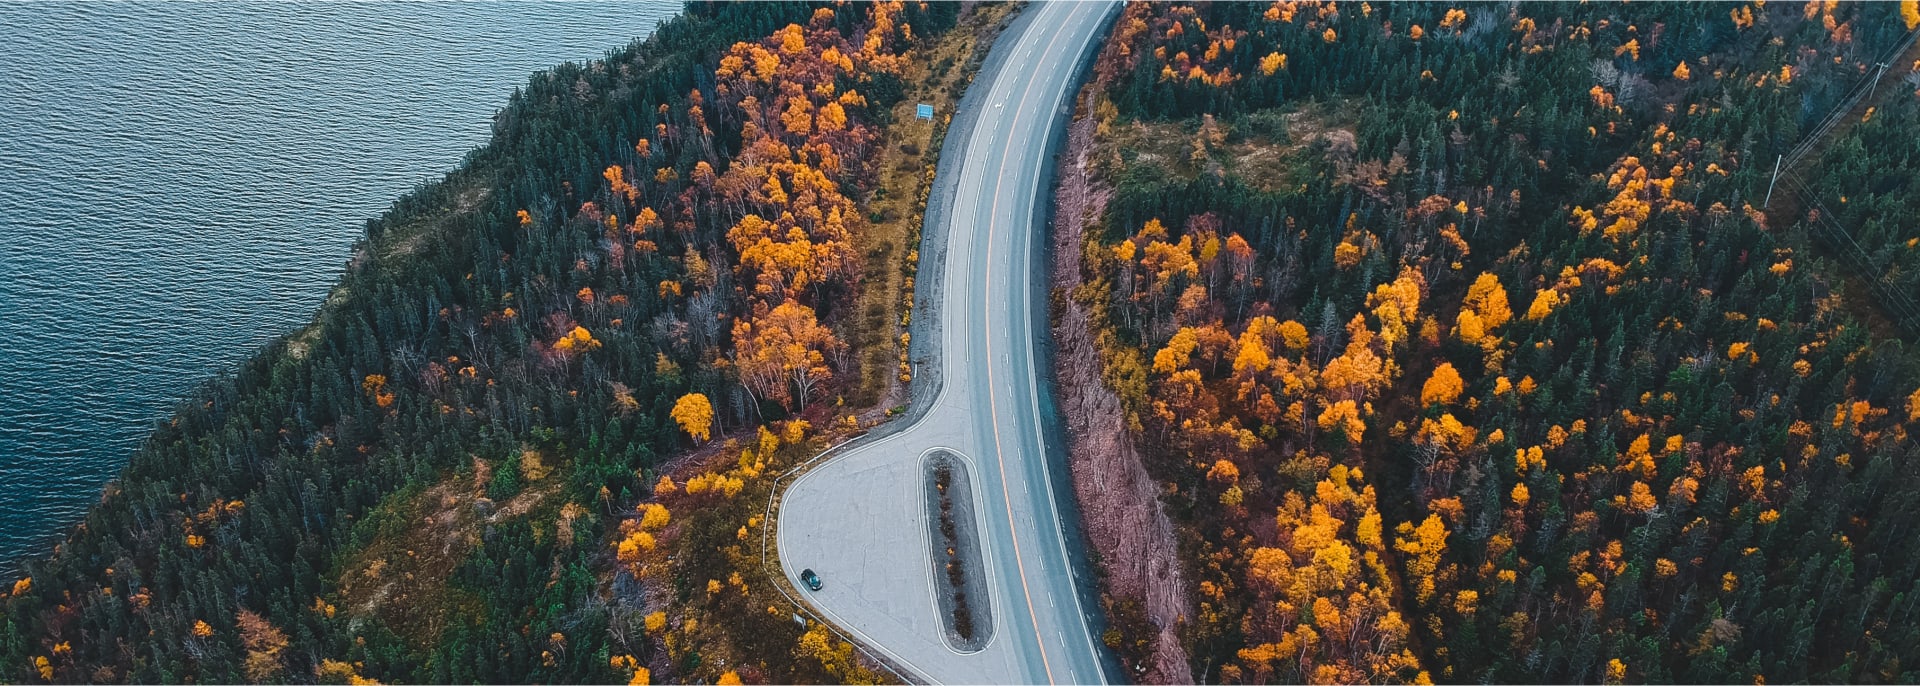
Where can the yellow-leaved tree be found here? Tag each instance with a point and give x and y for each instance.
(1443, 387)
(1323, 610)
(695, 415)
(781, 354)
(1420, 548)
(1489, 300)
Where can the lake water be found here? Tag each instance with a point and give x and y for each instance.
(181, 182)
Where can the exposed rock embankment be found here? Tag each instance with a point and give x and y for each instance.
(1119, 501)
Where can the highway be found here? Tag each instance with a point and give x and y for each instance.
(858, 516)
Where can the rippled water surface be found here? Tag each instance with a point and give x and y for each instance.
(181, 182)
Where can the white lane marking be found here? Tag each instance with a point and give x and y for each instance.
(1059, 536)
(971, 171)
(993, 412)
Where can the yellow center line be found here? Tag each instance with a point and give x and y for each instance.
(992, 406)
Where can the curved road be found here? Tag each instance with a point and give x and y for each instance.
(859, 518)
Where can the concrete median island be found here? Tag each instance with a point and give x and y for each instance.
(959, 588)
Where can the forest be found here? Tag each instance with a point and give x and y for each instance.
(462, 470)
(1478, 342)
(1522, 342)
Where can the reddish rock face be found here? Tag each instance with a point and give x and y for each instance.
(1119, 502)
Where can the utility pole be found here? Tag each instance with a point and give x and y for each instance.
(1776, 179)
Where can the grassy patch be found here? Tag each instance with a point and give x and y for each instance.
(418, 537)
(1263, 148)
(895, 210)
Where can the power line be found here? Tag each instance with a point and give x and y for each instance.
(1906, 310)
(1892, 298)
(1859, 91)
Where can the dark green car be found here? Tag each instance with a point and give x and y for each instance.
(811, 579)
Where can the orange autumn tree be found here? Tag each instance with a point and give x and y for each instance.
(1483, 313)
(1322, 608)
(1239, 400)
(788, 218)
(794, 234)
(782, 355)
(1592, 450)
(264, 643)
(1443, 387)
(375, 386)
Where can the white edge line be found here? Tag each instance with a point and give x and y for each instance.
(1046, 467)
(837, 624)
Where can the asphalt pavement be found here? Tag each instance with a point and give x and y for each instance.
(858, 518)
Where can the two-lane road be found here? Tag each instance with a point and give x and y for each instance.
(858, 519)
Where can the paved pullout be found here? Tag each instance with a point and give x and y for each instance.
(857, 518)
